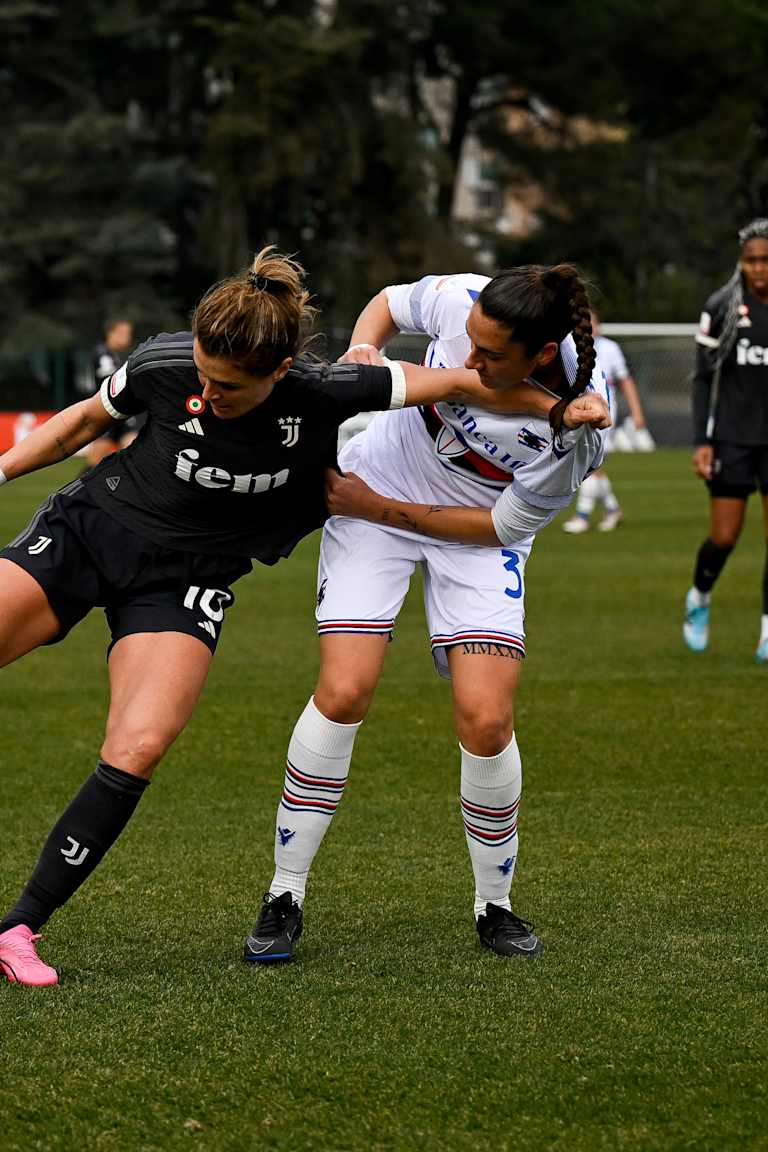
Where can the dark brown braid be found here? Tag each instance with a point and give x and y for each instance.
(565, 279)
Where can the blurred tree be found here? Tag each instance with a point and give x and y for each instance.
(148, 148)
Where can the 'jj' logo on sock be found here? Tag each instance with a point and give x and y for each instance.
(71, 854)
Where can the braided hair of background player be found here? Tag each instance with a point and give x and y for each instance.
(729, 330)
(540, 304)
(257, 318)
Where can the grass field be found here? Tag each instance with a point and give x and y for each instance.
(643, 862)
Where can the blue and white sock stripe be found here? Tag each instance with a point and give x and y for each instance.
(361, 627)
(304, 792)
(479, 636)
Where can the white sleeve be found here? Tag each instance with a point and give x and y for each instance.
(617, 365)
(515, 520)
(551, 480)
(436, 306)
(405, 305)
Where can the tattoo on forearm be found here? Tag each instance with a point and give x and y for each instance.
(408, 522)
(62, 446)
(476, 648)
(400, 519)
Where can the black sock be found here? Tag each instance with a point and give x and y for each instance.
(709, 564)
(78, 842)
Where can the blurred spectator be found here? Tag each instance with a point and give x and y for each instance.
(108, 356)
(597, 488)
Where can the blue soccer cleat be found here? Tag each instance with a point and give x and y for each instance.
(696, 623)
(762, 651)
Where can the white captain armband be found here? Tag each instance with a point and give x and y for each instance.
(3, 477)
(514, 519)
(111, 389)
(397, 372)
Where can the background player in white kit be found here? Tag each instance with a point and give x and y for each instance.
(597, 488)
(508, 329)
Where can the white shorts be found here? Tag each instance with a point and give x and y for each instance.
(471, 594)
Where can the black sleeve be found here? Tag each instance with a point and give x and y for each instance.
(704, 371)
(357, 387)
(702, 390)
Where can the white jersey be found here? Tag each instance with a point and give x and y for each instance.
(611, 359)
(399, 458)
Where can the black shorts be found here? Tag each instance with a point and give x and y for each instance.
(738, 469)
(82, 558)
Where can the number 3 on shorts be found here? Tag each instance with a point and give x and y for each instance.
(511, 566)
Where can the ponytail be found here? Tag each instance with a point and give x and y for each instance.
(258, 318)
(565, 279)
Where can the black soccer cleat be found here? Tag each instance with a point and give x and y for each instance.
(506, 934)
(276, 931)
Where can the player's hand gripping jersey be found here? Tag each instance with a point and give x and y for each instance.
(453, 454)
(251, 486)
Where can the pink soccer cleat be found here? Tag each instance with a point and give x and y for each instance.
(19, 961)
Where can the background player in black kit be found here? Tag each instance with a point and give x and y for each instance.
(730, 415)
(227, 468)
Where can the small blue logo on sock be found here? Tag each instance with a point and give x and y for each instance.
(508, 865)
(285, 835)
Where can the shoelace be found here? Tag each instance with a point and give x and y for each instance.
(273, 917)
(513, 925)
(25, 949)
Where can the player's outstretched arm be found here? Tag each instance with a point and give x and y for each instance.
(57, 439)
(432, 385)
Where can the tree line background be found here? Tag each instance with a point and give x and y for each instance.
(148, 149)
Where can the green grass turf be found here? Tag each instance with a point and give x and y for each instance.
(643, 862)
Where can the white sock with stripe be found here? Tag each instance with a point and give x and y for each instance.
(315, 774)
(588, 494)
(490, 797)
(608, 496)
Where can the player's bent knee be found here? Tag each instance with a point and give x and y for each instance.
(484, 734)
(137, 752)
(344, 702)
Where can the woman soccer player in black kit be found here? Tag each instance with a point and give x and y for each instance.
(730, 416)
(228, 468)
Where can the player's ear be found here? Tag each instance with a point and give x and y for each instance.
(547, 354)
(282, 368)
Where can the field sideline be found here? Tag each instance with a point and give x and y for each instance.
(643, 852)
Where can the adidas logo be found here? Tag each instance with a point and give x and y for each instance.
(194, 427)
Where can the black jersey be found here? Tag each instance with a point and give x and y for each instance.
(741, 413)
(249, 486)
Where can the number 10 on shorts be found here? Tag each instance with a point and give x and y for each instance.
(516, 576)
(212, 601)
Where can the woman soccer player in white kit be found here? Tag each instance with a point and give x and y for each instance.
(490, 480)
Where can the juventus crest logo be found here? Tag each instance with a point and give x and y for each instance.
(289, 425)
